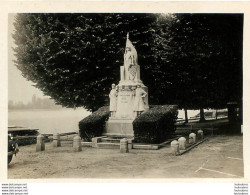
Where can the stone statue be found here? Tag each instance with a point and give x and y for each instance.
(129, 98)
(139, 105)
(130, 62)
(113, 100)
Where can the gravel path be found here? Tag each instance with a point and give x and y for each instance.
(219, 157)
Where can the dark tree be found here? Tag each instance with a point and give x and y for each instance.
(193, 60)
(74, 58)
(204, 52)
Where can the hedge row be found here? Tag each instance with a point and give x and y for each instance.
(94, 124)
(155, 125)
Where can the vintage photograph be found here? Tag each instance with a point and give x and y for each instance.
(125, 95)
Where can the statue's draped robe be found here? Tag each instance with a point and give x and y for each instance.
(130, 62)
(139, 102)
(113, 100)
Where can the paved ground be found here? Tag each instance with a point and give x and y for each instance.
(219, 157)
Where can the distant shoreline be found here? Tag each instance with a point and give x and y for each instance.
(43, 109)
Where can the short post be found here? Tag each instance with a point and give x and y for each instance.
(130, 144)
(192, 138)
(56, 140)
(40, 146)
(175, 147)
(200, 135)
(77, 145)
(182, 143)
(211, 124)
(95, 141)
(124, 145)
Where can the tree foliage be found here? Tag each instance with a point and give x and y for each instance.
(74, 58)
(204, 56)
(193, 60)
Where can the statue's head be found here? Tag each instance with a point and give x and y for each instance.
(127, 49)
(113, 86)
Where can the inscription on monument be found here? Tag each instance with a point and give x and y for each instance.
(125, 98)
(124, 101)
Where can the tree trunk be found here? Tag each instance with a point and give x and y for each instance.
(186, 116)
(202, 116)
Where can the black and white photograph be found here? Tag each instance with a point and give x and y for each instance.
(125, 95)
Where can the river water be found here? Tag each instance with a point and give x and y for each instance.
(48, 121)
(57, 121)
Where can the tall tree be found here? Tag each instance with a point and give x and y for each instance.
(74, 58)
(193, 60)
(205, 51)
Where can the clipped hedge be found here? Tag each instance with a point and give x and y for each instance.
(155, 125)
(94, 124)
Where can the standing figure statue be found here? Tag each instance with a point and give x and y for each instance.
(130, 61)
(113, 100)
(129, 65)
(139, 105)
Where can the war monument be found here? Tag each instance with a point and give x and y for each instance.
(129, 98)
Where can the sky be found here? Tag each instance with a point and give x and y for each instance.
(19, 89)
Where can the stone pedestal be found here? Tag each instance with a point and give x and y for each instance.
(121, 128)
(125, 102)
(120, 123)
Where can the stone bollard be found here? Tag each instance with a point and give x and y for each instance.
(130, 144)
(56, 140)
(175, 147)
(77, 144)
(124, 145)
(40, 146)
(200, 134)
(95, 141)
(192, 138)
(182, 143)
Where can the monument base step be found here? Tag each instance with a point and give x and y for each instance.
(108, 142)
(105, 145)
